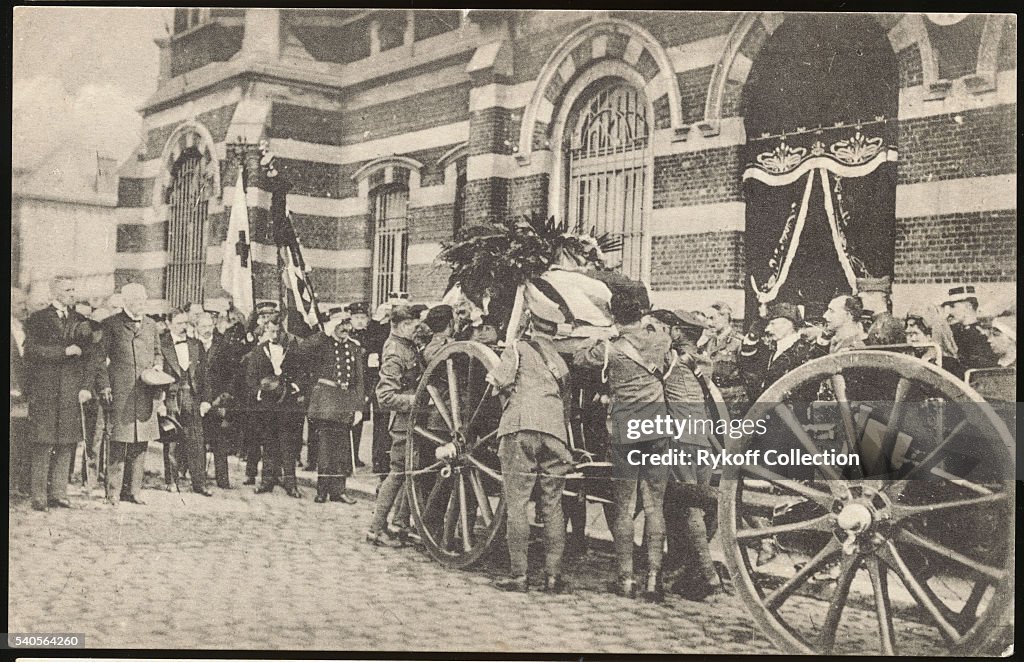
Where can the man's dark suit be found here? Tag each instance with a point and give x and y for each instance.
(191, 387)
(275, 416)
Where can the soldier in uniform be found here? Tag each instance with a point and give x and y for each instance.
(633, 365)
(689, 498)
(441, 323)
(720, 344)
(961, 308)
(377, 332)
(360, 333)
(274, 410)
(400, 370)
(533, 448)
(335, 365)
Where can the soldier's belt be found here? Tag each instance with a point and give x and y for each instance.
(331, 382)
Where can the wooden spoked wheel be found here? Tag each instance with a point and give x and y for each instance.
(924, 549)
(457, 505)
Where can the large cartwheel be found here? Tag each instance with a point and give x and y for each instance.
(457, 504)
(932, 542)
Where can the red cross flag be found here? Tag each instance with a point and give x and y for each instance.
(236, 269)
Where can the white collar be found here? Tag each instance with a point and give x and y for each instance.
(61, 308)
(785, 343)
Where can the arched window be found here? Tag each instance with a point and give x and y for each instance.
(607, 157)
(186, 229)
(391, 241)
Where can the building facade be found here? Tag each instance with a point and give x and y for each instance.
(732, 171)
(64, 220)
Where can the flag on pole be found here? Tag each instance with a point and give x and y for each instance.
(298, 281)
(236, 269)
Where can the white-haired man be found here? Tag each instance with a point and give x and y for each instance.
(132, 345)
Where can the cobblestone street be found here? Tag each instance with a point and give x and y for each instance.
(241, 571)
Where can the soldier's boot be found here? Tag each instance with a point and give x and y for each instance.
(512, 584)
(555, 584)
(624, 586)
(654, 591)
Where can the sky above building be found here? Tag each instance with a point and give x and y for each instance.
(79, 75)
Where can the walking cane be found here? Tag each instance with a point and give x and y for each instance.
(85, 448)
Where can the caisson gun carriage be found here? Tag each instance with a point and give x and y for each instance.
(922, 530)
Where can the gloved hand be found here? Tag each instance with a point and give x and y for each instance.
(84, 396)
(204, 408)
(358, 418)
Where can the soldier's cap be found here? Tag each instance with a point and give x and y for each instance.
(961, 293)
(1006, 325)
(358, 307)
(403, 313)
(690, 320)
(439, 317)
(266, 307)
(339, 313)
(397, 298)
(418, 309)
(786, 310)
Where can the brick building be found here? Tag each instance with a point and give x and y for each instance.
(398, 127)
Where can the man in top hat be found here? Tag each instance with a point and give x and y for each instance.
(60, 370)
(335, 366)
(188, 399)
(961, 308)
(533, 438)
(132, 344)
(1003, 340)
(764, 363)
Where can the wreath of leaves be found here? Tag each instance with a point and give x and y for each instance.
(505, 254)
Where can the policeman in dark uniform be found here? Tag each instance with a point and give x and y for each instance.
(360, 333)
(335, 366)
(961, 308)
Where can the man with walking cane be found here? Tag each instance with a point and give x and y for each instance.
(60, 359)
(334, 364)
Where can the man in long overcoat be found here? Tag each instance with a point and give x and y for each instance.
(61, 366)
(132, 343)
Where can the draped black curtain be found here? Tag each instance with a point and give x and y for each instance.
(819, 167)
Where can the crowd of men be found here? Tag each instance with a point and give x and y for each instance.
(116, 379)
